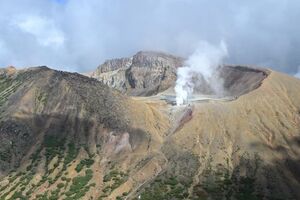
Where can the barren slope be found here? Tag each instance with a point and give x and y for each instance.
(255, 138)
(247, 148)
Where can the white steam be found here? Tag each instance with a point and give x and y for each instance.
(203, 62)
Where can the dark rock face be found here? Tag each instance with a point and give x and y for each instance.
(15, 141)
(232, 80)
(239, 80)
(144, 74)
(114, 64)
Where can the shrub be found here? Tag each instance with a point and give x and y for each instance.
(60, 185)
(78, 187)
(86, 162)
(71, 153)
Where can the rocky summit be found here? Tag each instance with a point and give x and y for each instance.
(146, 73)
(118, 134)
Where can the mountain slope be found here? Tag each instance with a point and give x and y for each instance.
(247, 148)
(58, 129)
(67, 136)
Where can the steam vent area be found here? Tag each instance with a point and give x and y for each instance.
(233, 81)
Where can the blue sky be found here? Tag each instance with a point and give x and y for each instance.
(78, 35)
(59, 1)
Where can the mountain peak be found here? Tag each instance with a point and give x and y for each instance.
(145, 73)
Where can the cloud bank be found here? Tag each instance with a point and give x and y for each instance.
(78, 35)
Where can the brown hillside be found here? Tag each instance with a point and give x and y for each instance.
(67, 136)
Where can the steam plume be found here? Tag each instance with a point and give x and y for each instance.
(204, 62)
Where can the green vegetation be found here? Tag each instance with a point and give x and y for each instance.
(41, 97)
(113, 174)
(53, 146)
(36, 155)
(169, 185)
(79, 186)
(220, 182)
(7, 87)
(42, 196)
(165, 188)
(5, 154)
(122, 197)
(19, 183)
(18, 195)
(71, 154)
(112, 181)
(13, 178)
(86, 162)
(60, 185)
(54, 195)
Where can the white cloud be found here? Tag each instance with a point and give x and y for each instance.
(43, 29)
(79, 35)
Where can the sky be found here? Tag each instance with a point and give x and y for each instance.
(78, 35)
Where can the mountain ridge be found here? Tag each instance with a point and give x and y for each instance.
(67, 136)
(145, 73)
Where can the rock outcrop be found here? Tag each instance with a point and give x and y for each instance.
(149, 73)
(144, 74)
(8, 71)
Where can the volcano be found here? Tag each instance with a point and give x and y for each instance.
(116, 133)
